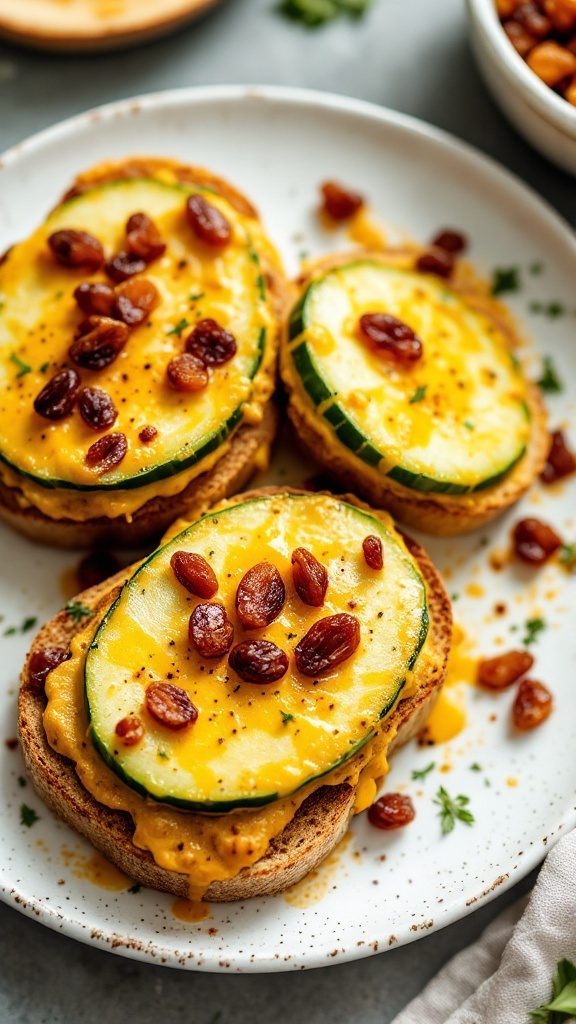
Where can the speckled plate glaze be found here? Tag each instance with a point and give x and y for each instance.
(379, 889)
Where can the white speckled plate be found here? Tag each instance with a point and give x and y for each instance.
(380, 888)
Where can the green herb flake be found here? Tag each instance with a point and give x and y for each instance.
(549, 382)
(454, 597)
(44, 367)
(11, 631)
(286, 717)
(452, 809)
(418, 394)
(313, 13)
(21, 781)
(28, 623)
(23, 367)
(532, 627)
(424, 772)
(469, 425)
(135, 888)
(536, 268)
(568, 556)
(505, 280)
(563, 1005)
(77, 611)
(27, 815)
(196, 297)
(475, 767)
(162, 753)
(180, 327)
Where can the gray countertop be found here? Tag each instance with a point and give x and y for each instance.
(412, 56)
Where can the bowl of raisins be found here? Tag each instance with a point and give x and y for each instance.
(526, 53)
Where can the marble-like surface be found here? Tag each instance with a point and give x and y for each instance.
(413, 56)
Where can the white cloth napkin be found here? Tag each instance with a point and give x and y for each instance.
(509, 970)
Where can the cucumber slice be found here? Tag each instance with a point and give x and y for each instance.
(454, 422)
(38, 318)
(252, 744)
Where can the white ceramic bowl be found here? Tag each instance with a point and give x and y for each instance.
(545, 119)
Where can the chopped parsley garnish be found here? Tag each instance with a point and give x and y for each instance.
(44, 367)
(286, 717)
(312, 13)
(11, 631)
(27, 815)
(135, 888)
(563, 1005)
(536, 268)
(424, 772)
(549, 309)
(180, 327)
(568, 555)
(23, 367)
(505, 280)
(77, 611)
(196, 297)
(549, 382)
(418, 394)
(452, 809)
(475, 767)
(454, 597)
(28, 623)
(162, 753)
(21, 781)
(533, 627)
(469, 425)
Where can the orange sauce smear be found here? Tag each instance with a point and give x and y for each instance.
(96, 869)
(190, 910)
(448, 716)
(318, 883)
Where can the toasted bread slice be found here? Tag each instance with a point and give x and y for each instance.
(248, 446)
(317, 826)
(435, 513)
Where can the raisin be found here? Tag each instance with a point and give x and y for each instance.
(373, 552)
(450, 241)
(207, 222)
(130, 730)
(96, 567)
(186, 373)
(532, 706)
(390, 337)
(97, 408)
(310, 577)
(76, 249)
(147, 434)
(258, 661)
(327, 643)
(58, 396)
(170, 705)
(521, 40)
(338, 202)
(194, 573)
(210, 630)
(260, 596)
(393, 810)
(534, 541)
(560, 461)
(533, 20)
(498, 673)
(210, 343)
(107, 452)
(143, 238)
(95, 299)
(123, 265)
(134, 301)
(436, 261)
(41, 664)
(99, 340)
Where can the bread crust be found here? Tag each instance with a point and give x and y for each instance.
(232, 471)
(439, 514)
(317, 826)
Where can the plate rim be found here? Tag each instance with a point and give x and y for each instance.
(152, 951)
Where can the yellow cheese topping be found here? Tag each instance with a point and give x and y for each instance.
(214, 847)
(38, 320)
